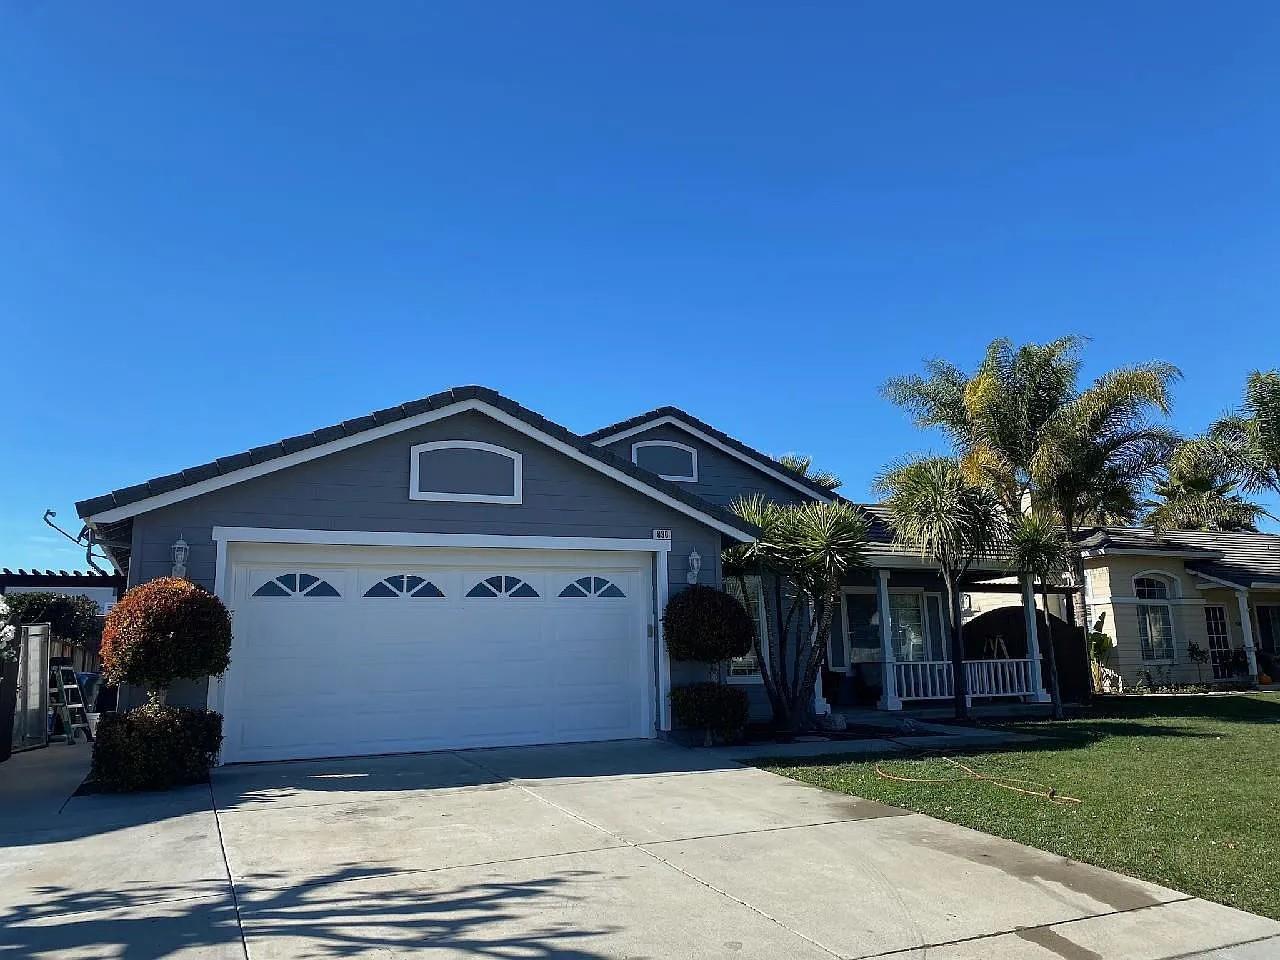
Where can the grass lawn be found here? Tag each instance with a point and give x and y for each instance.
(1181, 791)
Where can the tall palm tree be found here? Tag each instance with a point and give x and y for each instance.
(1198, 493)
(801, 556)
(804, 465)
(935, 508)
(1037, 547)
(1099, 452)
(1022, 427)
(995, 416)
(1247, 443)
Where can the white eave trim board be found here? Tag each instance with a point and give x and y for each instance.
(376, 538)
(1216, 580)
(1091, 552)
(693, 431)
(390, 429)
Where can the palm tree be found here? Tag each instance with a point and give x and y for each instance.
(1198, 493)
(802, 465)
(1099, 452)
(1247, 443)
(1022, 427)
(994, 418)
(801, 556)
(935, 508)
(1038, 548)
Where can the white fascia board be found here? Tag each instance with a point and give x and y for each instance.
(377, 538)
(764, 468)
(1216, 581)
(913, 561)
(390, 429)
(1128, 552)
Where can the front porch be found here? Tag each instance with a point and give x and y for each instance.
(890, 645)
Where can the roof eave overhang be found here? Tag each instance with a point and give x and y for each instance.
(741, 533)
(695, 431)
(1092, 552)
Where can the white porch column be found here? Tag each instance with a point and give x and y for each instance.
(661, 589)
(1246, 628)
(889, 688)
(1033, 637)
(821, 707)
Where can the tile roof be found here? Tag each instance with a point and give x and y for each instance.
(750, 452)
(1241, 558)
(264, 454)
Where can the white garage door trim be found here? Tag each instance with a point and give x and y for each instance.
(226, 537)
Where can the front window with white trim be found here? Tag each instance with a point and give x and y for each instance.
(916, 618)
(667, 458)
(1155, 617)
(746, 669)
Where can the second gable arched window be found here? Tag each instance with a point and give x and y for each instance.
(667, 458)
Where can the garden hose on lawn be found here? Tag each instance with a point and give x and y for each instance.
(1045, 791)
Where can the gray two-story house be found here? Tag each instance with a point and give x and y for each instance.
(460, 571)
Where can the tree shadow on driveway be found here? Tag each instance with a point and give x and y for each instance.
(349, 912)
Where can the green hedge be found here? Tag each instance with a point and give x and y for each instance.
(73, 619)
(155, 747)
(714, 707)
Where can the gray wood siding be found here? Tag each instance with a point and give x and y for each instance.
(366, 488)
(721, 478)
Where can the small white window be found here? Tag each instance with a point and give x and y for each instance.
(666, 458)
(593, 587)
(502, 586)
(296, 585)
(465, 471)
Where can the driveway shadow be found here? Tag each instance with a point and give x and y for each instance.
(349, 912)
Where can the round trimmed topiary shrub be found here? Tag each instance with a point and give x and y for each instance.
(165, 630)
(718, 709)
(706, 625)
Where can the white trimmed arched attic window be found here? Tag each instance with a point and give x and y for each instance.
(465, 471)
(1153, 591)
(667, 458)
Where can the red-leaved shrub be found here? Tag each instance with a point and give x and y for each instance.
(165, 630)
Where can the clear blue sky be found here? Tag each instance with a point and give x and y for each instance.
(230, 223)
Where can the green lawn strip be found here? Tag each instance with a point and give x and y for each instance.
(1183, 792)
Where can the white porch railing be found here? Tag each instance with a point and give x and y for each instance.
(999, 678)
(931, 679)
(923, 679)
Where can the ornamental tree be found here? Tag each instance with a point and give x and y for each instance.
(165, 630)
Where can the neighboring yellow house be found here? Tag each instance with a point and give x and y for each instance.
(1162, 592)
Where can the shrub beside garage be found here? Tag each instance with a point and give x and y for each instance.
(165, 630)
(705, 625)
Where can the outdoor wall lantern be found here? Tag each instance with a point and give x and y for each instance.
(180, 553)
(695, 566)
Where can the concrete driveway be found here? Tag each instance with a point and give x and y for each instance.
(632, 849)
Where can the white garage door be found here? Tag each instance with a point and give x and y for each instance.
(342, 651)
